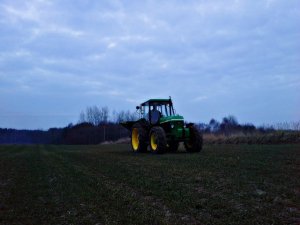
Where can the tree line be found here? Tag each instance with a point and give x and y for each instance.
(81, 133)
(230, 125)
(95, 125)
(98, 124)
(101, 115)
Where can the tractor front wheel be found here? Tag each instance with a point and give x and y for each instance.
(138, 138)
(158, 140)
(195, 142)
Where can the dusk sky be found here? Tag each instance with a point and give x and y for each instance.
(215, 58)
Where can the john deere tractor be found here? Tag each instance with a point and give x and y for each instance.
(161, 129)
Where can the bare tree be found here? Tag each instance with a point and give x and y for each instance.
(95, 115)
(82, 118)
(104, 115)
(214, 125)
(125, 116)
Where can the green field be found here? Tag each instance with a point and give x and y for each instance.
(108, 184)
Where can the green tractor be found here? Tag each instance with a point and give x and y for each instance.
(161, 129)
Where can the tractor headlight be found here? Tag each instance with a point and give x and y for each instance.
(172, 126)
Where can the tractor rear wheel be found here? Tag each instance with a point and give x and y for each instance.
(195, 142)
(158, 140)
(173, 146)
(138, 138)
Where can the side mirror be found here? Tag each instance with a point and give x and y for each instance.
(137, 108)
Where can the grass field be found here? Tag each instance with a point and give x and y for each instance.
(108, 184)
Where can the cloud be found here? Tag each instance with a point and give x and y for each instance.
(38, 17)
(15, 14)
(111, 45)
(19, 53)
(54, 29)
(200, 98)
(217, 54)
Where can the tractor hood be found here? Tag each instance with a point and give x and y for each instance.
(166, 119)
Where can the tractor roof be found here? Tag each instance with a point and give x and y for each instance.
(157, 101)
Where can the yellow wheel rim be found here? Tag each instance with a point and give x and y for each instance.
(153, 142)
(135, 139)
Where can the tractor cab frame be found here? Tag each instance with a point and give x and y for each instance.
(153, 109)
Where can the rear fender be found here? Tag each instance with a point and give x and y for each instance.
(128, 124)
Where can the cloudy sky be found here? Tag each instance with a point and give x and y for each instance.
(215, 58)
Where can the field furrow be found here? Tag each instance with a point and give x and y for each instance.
(107, 184)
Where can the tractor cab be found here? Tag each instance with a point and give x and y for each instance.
(155, 109)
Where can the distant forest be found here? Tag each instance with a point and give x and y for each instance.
(97, 125)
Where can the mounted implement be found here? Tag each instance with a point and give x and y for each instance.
(161, 129)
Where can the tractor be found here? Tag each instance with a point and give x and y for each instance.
(162, 129)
